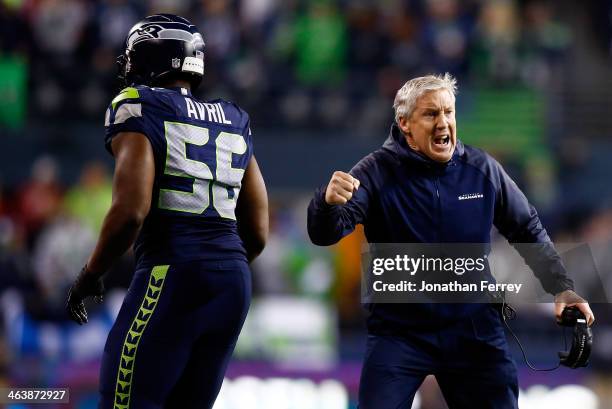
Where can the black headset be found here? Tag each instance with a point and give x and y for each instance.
(582, 339)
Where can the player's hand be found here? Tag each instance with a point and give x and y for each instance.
(340, 188)
(86, 285)
(569, 298)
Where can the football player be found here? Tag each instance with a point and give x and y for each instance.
(188, 193)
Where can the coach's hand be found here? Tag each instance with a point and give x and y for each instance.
(569, 298)
(86, 285)
(340, 188)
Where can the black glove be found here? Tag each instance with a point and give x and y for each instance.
(86, 285)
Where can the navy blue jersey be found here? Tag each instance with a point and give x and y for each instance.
(201, 152)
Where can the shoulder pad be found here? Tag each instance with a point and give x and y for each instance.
(126, 93)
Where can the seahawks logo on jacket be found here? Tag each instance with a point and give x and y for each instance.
(469, 196)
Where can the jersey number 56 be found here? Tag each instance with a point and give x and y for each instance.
(227, 178)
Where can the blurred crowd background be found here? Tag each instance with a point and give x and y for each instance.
(318, 78)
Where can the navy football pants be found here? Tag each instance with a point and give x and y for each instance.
(174, 335)
(469, 359)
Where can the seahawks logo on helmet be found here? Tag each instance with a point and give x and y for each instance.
(155, 32)
(147, 32)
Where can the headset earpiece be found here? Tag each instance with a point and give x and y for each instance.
(582, 336)
(582, 339)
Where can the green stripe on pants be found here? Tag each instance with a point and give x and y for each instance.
(132, 338)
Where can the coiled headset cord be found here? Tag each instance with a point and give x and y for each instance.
(508, 314)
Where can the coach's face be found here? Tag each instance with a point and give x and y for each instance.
(431, 129)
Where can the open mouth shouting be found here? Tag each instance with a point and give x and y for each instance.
(441, 142)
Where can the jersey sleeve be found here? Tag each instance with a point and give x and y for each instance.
(248, 136)
(125, 114)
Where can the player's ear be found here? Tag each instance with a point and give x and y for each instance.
(404, 125)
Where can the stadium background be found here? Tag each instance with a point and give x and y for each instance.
(318, 79)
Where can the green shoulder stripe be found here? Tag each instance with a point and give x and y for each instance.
(126, 93)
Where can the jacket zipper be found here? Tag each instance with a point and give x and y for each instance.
(439, 207)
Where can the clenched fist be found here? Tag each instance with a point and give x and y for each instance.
(340, 188)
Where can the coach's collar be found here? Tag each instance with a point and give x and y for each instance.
(396, 142)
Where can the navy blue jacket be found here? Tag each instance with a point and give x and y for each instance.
(405, 197)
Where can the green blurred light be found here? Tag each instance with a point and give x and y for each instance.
(13, 90)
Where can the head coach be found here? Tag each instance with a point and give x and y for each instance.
(408, 191)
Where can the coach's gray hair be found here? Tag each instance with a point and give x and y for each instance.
(406, 97)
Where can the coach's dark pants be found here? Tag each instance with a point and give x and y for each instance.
(469, 359)
(174, 335)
